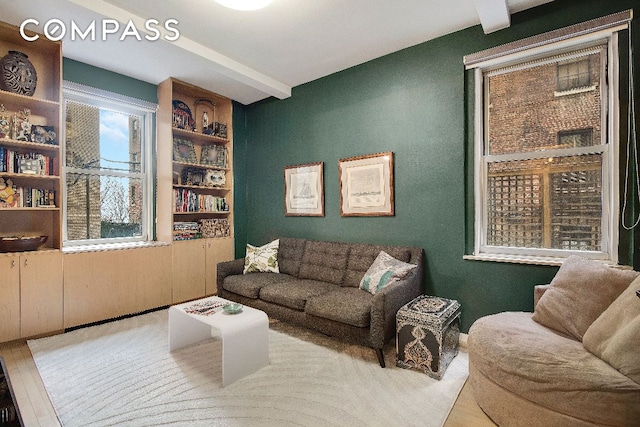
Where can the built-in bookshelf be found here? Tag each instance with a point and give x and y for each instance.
(30, 125)
(195, 185)
(202, 176)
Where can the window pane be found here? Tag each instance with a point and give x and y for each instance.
(100, 139)
(525, 114)
(553, 203)
(118, 213)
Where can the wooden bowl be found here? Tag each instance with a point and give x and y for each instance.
(21, 244)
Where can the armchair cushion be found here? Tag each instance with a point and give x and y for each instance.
(580, 291)
(614, 336)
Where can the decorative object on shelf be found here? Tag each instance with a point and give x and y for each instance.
(220, 130)
(214, 178)
(182, 118)
(192, 176)
(304, 190)
(18, 74)
(214, 155)
(183, 150)
(5, 123)
(43, 135)
(208, 128)
(30, 166)
(21, 125)
(8, 194)
(21, 244)
(215, 227)
(366, 185)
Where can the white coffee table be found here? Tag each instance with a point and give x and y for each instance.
(245, 336)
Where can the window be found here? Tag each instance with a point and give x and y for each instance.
(575, 138)
(546, 144)
(573, 75)
(107, 167)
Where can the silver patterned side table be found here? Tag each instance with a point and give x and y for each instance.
(427, 333)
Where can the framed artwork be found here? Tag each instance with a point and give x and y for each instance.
(183, 151)
(366, 185)
(304, 190)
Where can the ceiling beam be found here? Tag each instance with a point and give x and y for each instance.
(494, 15)
(225, 65)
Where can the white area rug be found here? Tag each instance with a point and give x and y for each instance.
(121, 374)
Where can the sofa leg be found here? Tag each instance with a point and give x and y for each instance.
(380, 357)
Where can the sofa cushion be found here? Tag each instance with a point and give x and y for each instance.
(262, 259)
(615, 335)
(361, 256)
(295, 293)
(556, 372)
(385, 271)
(290, 255)
(580, 291)
(249, 285)
(346, 305)
(324, 261)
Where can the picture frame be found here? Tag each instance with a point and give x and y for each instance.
(183, 151)
(366, 185)
(214, 155)
(304, 190)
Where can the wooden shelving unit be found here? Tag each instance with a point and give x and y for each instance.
(45, 110)
(194, 261)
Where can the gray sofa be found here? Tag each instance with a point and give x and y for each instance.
(317, 288)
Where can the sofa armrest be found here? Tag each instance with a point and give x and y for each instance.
(538, 291)
(229, 268)
(386, 304)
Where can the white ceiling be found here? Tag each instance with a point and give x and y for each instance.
(249, 56)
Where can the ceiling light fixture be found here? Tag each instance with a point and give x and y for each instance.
(244, 4)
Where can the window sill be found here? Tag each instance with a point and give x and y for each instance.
(532, 260)
(516, 259)
(112, 247)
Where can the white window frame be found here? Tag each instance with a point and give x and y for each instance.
(102, 99)
(610, 184)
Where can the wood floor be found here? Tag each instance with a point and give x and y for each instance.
(36, 409)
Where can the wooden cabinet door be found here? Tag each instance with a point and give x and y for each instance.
(41, 292)
(9, 297)
(188, 278)
(218, 250)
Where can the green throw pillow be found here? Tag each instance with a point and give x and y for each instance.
(384, 271)
(262, 259)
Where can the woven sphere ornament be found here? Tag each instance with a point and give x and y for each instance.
(18, 74)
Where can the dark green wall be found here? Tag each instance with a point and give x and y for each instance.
(415, 103)
(89, 75)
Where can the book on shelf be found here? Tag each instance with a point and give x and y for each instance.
(12, 161)
(187, 200)
(186, 230)
(27, 197)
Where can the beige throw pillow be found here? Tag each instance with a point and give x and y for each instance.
(580, 291)
(615, 335)
(262, 259)
(384, 271)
